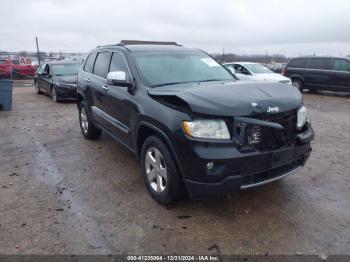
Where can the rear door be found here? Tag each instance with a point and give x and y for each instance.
(98, 83)
(84, 77)
(319, 74)
(341, 75)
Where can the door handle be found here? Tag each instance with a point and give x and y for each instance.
(87, 80)
(105, 88)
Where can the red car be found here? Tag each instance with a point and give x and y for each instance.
(10, 69)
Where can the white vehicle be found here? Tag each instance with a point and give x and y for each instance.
(255, 72)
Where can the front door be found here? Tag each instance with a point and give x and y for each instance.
(118, 103)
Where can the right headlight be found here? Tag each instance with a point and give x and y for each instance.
(303, 117)
(210, 129)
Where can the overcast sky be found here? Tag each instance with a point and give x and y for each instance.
(242, 27)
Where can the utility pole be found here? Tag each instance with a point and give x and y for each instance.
(223, 55)
(266, 57)
(37, 49)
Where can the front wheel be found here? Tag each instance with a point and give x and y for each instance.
(160, 173)
(37, 88)
(88, 129)
(54, 95)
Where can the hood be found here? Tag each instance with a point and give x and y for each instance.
(270, 77)
(231, 98)
(67, 79)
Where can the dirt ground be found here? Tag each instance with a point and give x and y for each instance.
(62, 194)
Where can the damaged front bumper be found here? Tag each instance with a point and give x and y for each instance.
(236, 168)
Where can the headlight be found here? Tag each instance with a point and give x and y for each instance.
(302, 117)
(211, 129)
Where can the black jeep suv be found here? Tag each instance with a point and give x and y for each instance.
(192, 125)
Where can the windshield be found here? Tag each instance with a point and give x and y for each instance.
(169, 68)
(65, 69)
(258, 69)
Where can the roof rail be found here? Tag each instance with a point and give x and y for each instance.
(141, 42)
(108, 45)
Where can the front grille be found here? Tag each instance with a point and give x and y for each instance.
(269, 138)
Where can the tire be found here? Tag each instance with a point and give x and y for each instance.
(164, 183)
(37, 89)
(54, 95)
(87, 128)
(296, 82)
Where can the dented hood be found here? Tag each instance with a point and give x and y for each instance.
(232, 98)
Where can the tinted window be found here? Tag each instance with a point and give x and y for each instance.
(118, 63)
(89, 65)
(164, 68)
(102, 64)
(298, 63)
(320, 63)
(341, 65)
(65, 69)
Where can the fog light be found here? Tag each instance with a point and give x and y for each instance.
(210, 165)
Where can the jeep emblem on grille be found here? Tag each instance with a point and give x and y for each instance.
(274, 109)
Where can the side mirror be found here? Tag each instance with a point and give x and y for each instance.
(119, 78)
(232, 70)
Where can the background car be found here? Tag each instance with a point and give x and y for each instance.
(58, 79)
(319, 73)
(277, 67)
(256, 72)
(12, 69)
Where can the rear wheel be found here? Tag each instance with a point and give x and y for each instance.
(88, 129)
(160, 173)
(296, 82)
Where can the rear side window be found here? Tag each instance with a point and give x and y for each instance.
(89, 65)
(298, 63)
(320, 63)
(341, 65)
(102, 64)
(118, 63)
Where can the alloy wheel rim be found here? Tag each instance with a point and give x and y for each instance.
(156, 170)
(296, 84)
(83, 120)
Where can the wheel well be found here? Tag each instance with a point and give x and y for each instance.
(80, 98)
(144, 132)
(297, 77)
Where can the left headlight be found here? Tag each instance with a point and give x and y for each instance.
(210, 129)
(303, 117)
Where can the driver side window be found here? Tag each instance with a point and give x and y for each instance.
(118, 63)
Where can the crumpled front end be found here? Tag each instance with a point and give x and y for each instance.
(263, 148)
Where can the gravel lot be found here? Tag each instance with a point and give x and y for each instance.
(63, 194)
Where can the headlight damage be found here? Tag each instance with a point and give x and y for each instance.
(273, 132)
(209, 129)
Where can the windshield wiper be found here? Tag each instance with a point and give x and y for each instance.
(171, 83)
(213, 80)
